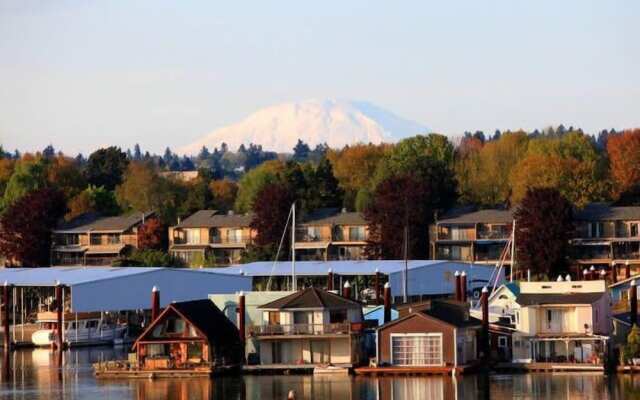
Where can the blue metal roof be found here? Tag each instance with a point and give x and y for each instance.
(70, 276)
(316, 268)
(126, 288)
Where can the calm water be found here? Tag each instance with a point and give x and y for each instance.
(34, 376)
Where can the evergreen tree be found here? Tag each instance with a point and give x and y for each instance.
(137, 153)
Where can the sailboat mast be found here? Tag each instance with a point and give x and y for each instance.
(293, 248)
(513, 251)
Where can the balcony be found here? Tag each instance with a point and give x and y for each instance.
(306, 236)
(231, 240)
(455, 233)
(343, 328)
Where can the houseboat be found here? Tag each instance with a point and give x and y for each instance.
(191, 338)
(551, 326)
(80, 329)
(310, 330)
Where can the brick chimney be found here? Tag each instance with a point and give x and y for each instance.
(155, 303)
(387, 302)
(346, 290)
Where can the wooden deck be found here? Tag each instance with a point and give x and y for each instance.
(548, 367)
(628, 369)
(435, 370)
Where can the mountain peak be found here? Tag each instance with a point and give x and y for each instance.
(332, 121)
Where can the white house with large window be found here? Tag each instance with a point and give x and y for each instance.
(554, 322)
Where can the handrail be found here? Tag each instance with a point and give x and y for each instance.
(300, 329)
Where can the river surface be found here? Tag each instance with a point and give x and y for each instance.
(33, 374)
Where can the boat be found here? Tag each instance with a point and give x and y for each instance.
(80, 329)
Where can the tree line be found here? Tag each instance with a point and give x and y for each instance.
(399, 187)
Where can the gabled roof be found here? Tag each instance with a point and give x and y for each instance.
(333, 216)
(455, 320)
(205, 317)
(95, 222)
(606, 212)
(465, 216)
(311, 298)
(215, 219)
(535, 299)
(452, 312)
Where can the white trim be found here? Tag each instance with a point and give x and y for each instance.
(417, 334)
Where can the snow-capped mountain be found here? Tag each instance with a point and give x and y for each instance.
(335, 122)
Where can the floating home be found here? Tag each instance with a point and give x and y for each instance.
(561, 325)
(308, 329)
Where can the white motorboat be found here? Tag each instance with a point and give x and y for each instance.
(80, 329)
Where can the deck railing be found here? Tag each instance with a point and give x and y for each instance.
(300, 329)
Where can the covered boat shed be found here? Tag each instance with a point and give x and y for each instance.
(426, 278)
(118, 289)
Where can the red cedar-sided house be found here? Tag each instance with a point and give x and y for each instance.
(191, 334)
(443, 335)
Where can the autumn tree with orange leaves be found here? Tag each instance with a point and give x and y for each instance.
(623, 150)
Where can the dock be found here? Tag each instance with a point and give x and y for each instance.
(548, 367)
(125, 369)
(416, 371)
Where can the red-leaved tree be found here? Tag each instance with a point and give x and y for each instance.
(25, 227)
(398, 201)
(152, 235)
(544, 224)
(270, 211)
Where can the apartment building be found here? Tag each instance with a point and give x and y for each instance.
(331, 234)
(211, 235)
(478, 236)
(607, 237)
(91, 239)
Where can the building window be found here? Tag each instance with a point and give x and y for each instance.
(356, 233)
(113, 238)
(337, 316)
(96, 240)
(416, 349)
(193, 236)
(503, 341)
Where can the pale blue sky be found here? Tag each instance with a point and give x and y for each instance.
(85, 74)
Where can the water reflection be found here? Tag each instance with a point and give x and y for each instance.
(35, 374)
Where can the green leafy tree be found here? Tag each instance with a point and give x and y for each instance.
(254, 181)
(148, 258)
(93, 199)
(140, 188)
(105, 167)
(29, 175)
(631, 349)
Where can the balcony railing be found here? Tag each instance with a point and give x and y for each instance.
(242, 239)
(493, 235)
(312, 237)
(302, 329)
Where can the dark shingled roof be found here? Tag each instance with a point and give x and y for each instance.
(452, 312)
(465, 216)
(533, 299)
(96, 222)
(334, 216)
(605, 212)
(215, 219)
(208, 318)
(312, 298)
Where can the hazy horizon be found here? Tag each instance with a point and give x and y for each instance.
(85, 75)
